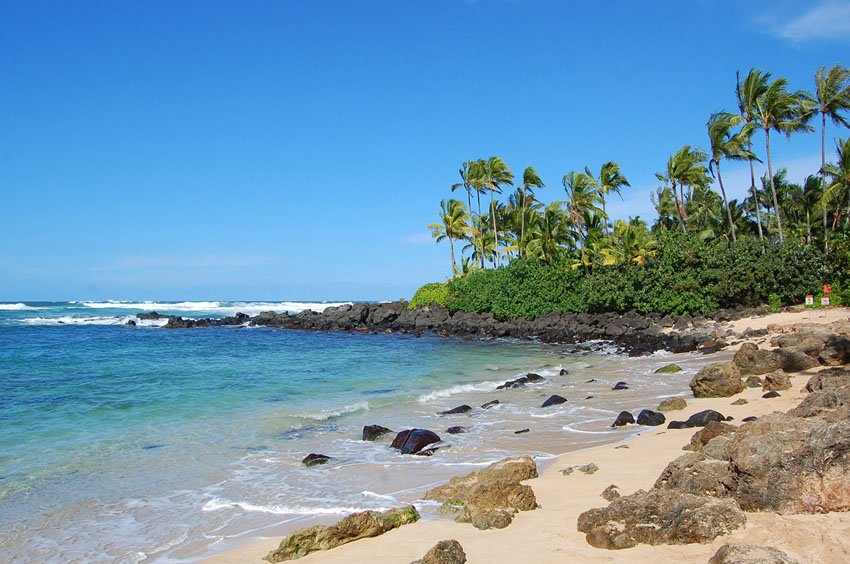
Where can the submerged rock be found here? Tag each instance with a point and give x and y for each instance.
(669, 369)
(456, 430)
(620, 386)
(374, 432)
(490, 404)
(529, 378)
(314, 459)
(444, 552)
(412, 441)
(456, 410)
(354, 527)
(554, 399)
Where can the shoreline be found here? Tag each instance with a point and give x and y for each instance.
(549, 533)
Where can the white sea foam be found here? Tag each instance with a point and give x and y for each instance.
(459, 389)
(217, 307)
(217, 504)
(325, 415)
(16, 307)
(95, 320)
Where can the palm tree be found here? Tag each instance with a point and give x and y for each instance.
(452, 226)
(685, 168)
(839, 177)
(610, 180)
(726, 145)
(804, 200)
(549, 235)
(662, 199)
(832, 95)
(581, 197)
(630, 242)
(530, 181)
(490, 175)
(784, 112)
(748, 91)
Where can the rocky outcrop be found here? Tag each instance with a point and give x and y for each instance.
(413, 441)
(374, 432)
(659, 517)
(704, 435)
(750, 554)
(354, 527)
(792, 360)
(828, 347)
(444, 552)
(718, 380)
(672, 404)
(829, 379)
(490, 497)
(750, 359)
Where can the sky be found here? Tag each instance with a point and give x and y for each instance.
(282, 150)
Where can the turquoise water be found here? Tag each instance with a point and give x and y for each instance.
(123, 443)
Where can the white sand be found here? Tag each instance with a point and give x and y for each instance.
(549, 534)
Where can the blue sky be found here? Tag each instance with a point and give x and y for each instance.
(297, 150)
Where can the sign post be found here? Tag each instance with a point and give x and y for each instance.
(810, 301)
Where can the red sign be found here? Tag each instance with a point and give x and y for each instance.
(826, 289)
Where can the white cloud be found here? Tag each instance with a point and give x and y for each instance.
(828, 20)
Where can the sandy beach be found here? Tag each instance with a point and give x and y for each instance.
(549, 534)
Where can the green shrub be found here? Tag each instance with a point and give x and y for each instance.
(433, 293)
(774, 302)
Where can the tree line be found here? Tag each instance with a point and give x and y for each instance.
(578, 230)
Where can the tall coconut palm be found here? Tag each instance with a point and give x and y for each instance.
(581, 197)
(784, 112)
(727, 145)
(685, 169)
(832, 95)
(474, 177)
(550, 236)
(839, 178)
(610, 180)
(530, 181)
(490, 175)
(804, 200)
(747, 92)
(452, 226)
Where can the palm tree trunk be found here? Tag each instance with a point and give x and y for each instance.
(823, 179)
(726, 203)
(495, 233)
(522, 222)
(604, 214)
(773, 187)
(753, 189)
(454, 264)
(480, 231)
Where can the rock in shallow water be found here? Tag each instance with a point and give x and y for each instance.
(554, 399)
(529, 378)
(354, 527)
(456, 410)
(412, 441)
(620, 386)
(623, 418)
(374, 432)
(669, 369)
(314, 459)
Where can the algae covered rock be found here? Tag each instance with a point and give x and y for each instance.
(354, 527)
(669, 369)
(672, 404)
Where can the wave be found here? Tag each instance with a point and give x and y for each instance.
(459, 389)
(16, 307)
(216, 307)
(96, 320)
(325, 415)
(217, 504)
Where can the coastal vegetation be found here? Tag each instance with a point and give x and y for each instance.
(524, 258)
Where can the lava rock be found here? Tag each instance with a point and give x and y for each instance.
(456, 430)
(529, 378)
(554, 399)
(620, 386)
(623, 418)
(456, 410)
(650, 418)
(414, 440)
(314, 459)
(490, 404)
(374, 432)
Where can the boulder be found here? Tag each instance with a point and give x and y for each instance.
(563, 372)
(695, 473)
(354, 527)
(314, 459)
(735, 553)
(456, 430)
(412, 441)
(672, 404)
(490, 404)
(530, 378)
(669, 369)
(490, 497)
(752, 360)
(791, 359)
(829, 348)
(659, 517)
(650, 418)
(719, 380)
(776, 381)
(829, 379)
(713, 429)
(832, 403)
(554, 399)
(374, 432)
(620, 386)
(624, 418)
(456, 410)
(444, 552)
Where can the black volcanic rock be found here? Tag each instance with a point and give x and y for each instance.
(554, 399)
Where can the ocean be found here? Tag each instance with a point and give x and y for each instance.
(129, 444)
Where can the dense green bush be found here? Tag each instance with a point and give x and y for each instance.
(433, 293)
(685, 276)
